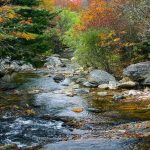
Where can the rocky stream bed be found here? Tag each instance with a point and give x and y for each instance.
(48, 109)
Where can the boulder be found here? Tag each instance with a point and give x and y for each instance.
(26, 67)
(101, 77)
(138, 72)
(53, 61)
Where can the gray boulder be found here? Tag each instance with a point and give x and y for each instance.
(101, 77)
(26, 67)
(53, 61)
(138, 72)
(7, 66)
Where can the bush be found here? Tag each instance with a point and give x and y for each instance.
(91, 53)
(66, 22)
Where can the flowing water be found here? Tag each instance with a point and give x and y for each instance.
(33, 114)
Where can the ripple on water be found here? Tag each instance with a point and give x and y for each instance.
(60, 104)
(31, 131)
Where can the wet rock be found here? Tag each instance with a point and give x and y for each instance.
(145, 96)
(118, 97)
(103, 86)
(30, 112)
(113, 85)
(69, 121)
(90, 85)
(129, 84)
(101, 77)
(138, 72)
(70, 93)
(133, 93)
(66, 82)
(146, 89)
(74, 86)
(94, 110)
(80, 80)
(82, 91)
(77, 110)
(34, 91)
(58, 78)
(102, 93)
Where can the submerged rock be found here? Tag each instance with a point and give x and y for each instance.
(58, 78)
(94, 110)
(118, 97)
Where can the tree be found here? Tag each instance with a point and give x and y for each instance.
(99, 14)
(25, 31)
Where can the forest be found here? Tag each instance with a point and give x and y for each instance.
(102, 33)
(75, 71)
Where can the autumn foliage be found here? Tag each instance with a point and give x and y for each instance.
(70, 4)
(99, 14)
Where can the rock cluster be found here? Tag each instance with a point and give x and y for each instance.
(7, 66)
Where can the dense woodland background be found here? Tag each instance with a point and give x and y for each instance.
(103, 33)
